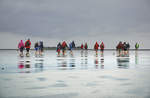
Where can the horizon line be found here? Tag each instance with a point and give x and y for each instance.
(78, 49)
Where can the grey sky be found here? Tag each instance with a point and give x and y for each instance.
(80, 20)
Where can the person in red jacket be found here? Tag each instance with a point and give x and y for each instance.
(82, 50)
(96, 47)
(64, 46)
(28, 46)
(102, 46)
(86, 46)
(120, 48)
(82, 46)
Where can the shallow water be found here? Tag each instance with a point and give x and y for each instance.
(83, 74)
(10, 62)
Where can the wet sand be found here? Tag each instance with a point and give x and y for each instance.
(77, 76)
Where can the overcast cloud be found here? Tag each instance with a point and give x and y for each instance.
(80, 20)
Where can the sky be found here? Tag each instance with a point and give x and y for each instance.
(54, 21)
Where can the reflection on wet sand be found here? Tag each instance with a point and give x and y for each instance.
(99, 61)
(24, 66)
(72, 61)
(123, 62)
(27, 64)
(64, 63)
(84, 59)
(86, 53)
(21, 65)
(81, 53)
(102, 53)
(39, 64)
(96, 62)
(102, 63)
(102, 60)
(136, 57)
(2, 67)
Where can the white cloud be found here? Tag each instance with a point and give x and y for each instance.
(57, 20)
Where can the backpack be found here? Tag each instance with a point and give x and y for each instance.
(96, 46)
(28, 43)
(63, 44)
(86, 46)
(125, 46)
(102, 46)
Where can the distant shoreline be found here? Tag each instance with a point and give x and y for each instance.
(88, 49)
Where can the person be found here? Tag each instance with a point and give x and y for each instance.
(36, 46)
(21, 47)
(136, 46)
(41, 47)
(82, 46)
(70, 48)
(58, 48)
(64, 46)
(119, 48)
(128, 47)
(125, 49)
(28, 45)
(86, 46)
(96, 47)
(82, 50)
(73, 44)
(102, 46)
(102, 49)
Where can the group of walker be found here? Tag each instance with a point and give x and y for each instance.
(96, 47)
(38, 48)
(64, 46)
(122, 47)
(22, 46)
(84, 46)
(27, 45)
